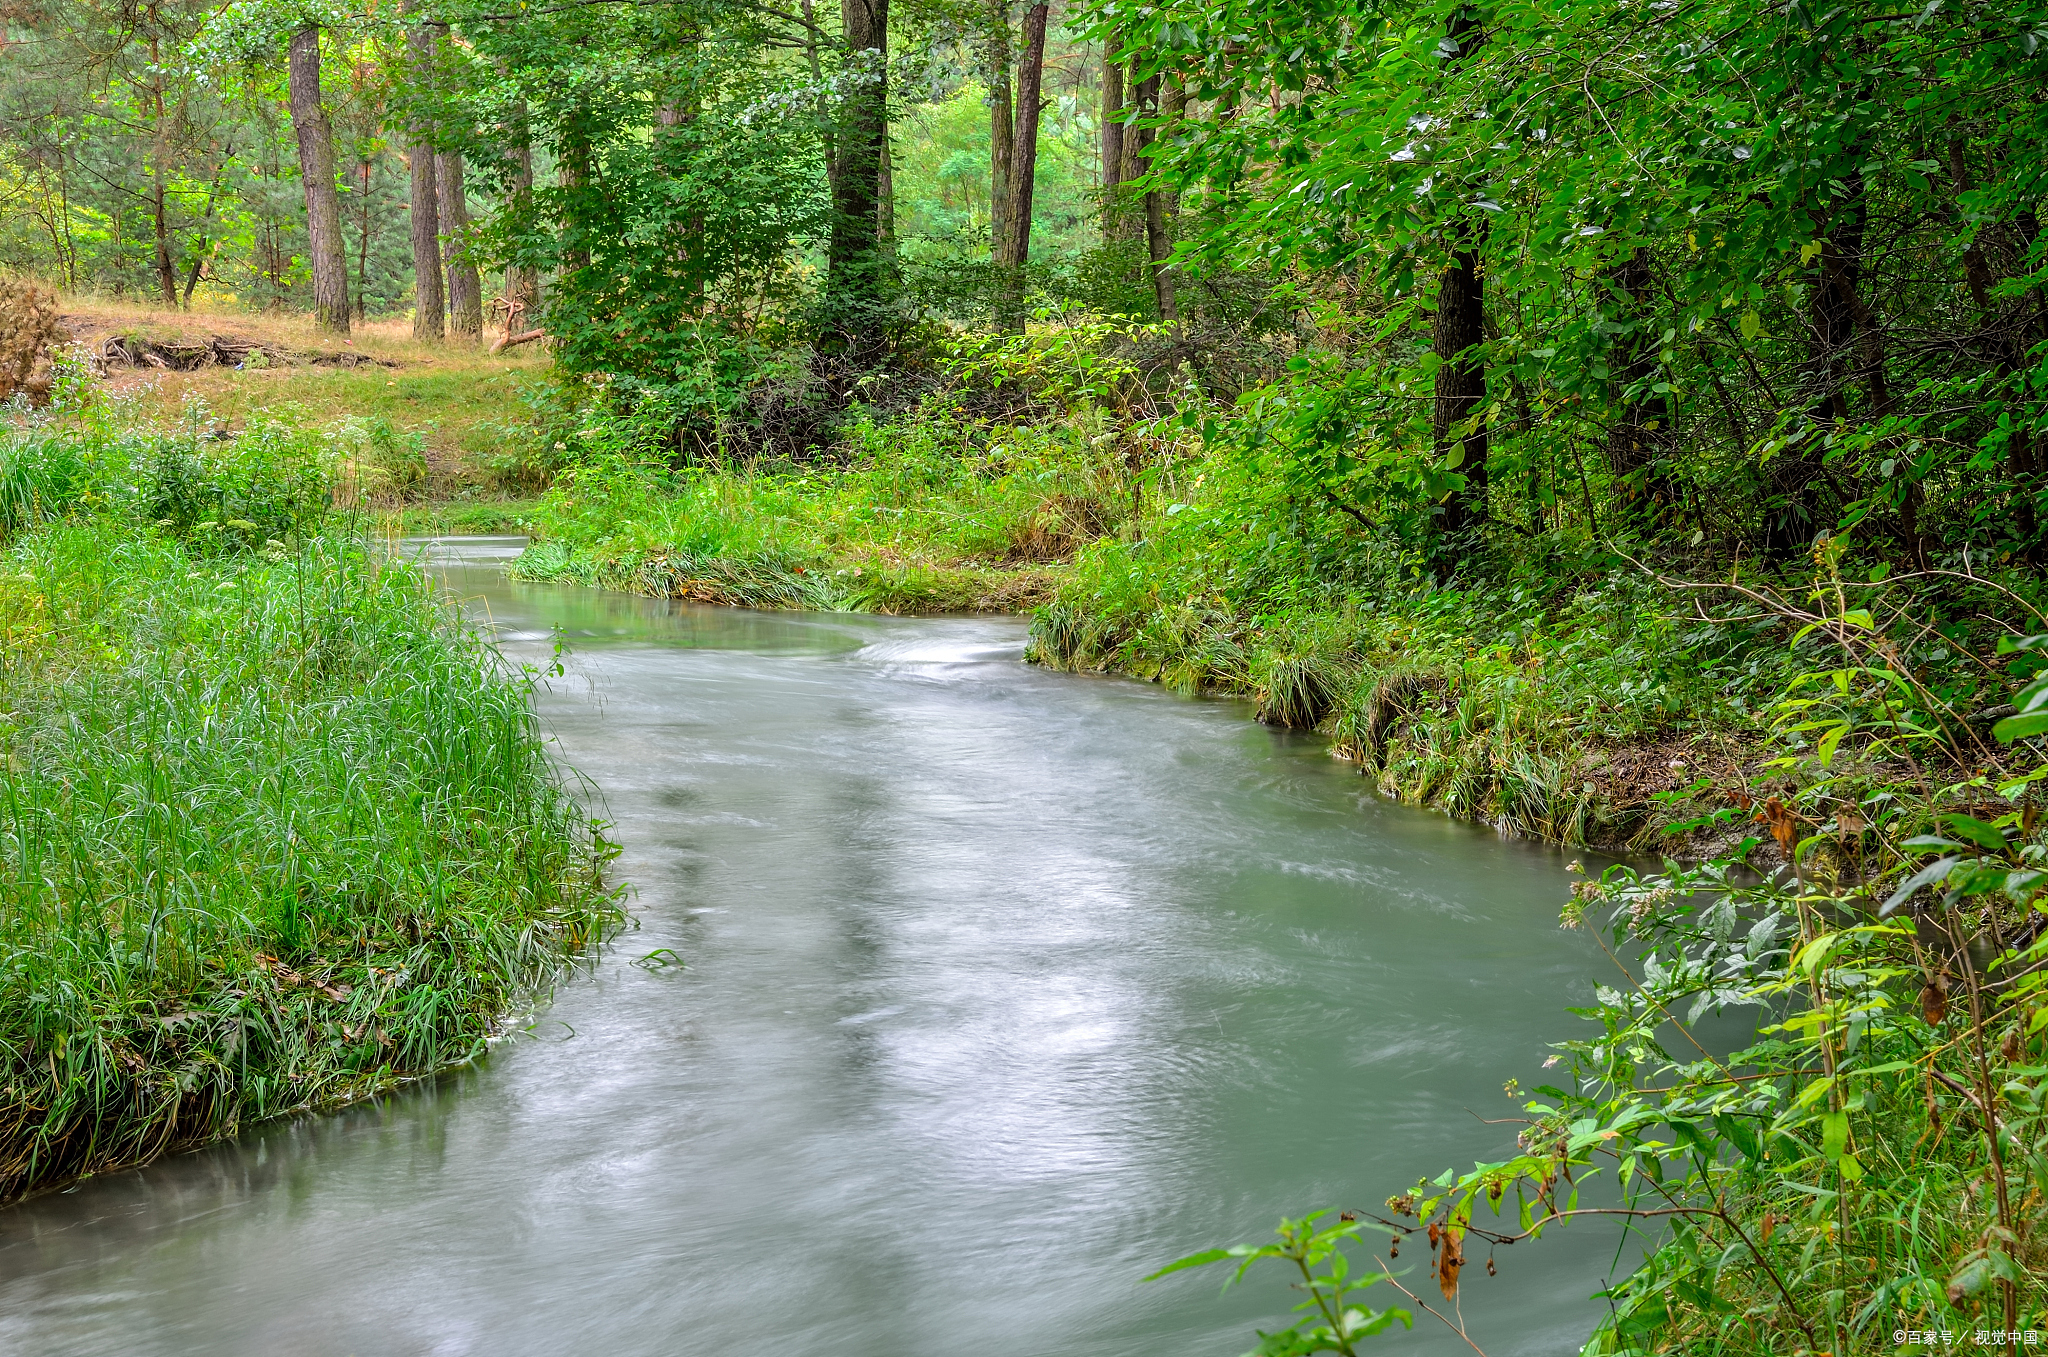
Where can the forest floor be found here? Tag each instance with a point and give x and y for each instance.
(462, 404)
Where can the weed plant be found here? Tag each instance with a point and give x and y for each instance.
(275, 833)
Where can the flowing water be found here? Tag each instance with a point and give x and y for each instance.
(1004, 988)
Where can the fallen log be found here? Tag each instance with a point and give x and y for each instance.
(508, 340)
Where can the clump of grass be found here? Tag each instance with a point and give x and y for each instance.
(274, 834)
(926, 515)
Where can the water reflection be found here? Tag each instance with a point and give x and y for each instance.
(1004, 988)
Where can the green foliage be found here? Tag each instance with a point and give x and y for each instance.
(1334, 1323)
(1872, 1157)
(274, 831)
(272, 484)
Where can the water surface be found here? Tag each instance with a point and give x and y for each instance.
(1004, 988)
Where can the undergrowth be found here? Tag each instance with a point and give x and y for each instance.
(275, 832)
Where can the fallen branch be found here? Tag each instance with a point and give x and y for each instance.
(524, 337)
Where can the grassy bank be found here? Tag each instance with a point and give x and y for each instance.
(274, 832)
(930, 514)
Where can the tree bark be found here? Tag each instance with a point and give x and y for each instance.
(1161, 208)
(316, 173)
(885, 209)
(160, 154)
(465, 288)
(573, 173)
(429, 302)
(681, 109)
(1015, 252)
(1112, 136)
(1640, 435)
(857, 275)
(1002, 133)
(522, 284)
(1459, 329)
(1461, 374)
(1112, 108)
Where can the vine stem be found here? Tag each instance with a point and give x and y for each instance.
(1457, 1329)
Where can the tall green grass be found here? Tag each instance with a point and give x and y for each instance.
(926, 515)
(275, 832)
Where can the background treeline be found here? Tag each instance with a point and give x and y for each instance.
(1740, 273)
(155, 152)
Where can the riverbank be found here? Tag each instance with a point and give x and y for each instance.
(276, 833)
(1558, 690)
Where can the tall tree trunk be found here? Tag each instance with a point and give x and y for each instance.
(1112, 135)
(465, 288)
(1015, 251)
(827, 137)
(857, 275)
(429, 302)
(160, 155)
(1461, 374)
(366, 165)
(681, 109)
(1002, 133)
(1640, 435)
(1161, 208)
(572, 171)
(1460, 327)
(1129, 156)
(522, 284)
(316, 173)
(885, 209)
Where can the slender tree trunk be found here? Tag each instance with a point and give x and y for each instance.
(205, 246)
(1461, 374)
(465, 288)
(1002, 133)
(857, 275)
(572, 171)
(1112, 136)
(522, 284)
(2007, 349)
(1459, 329)
(1640, 435)
(1023, 168)
(366, 165)
(679, 110)
(827, 136)
(1161, 208)
(1127, 216)
(160, 155)
(885, 209)
(429, 302)
(316, 173)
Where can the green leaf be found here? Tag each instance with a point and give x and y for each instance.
(1977, 832)
(1834, 1134)
(1926, 876)
(1830, 742)
(2020, 727)
(1741, 1135)
(1202, 1259)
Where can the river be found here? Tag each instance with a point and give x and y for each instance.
(1003, 988)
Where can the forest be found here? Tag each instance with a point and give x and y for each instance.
(1621, 424)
